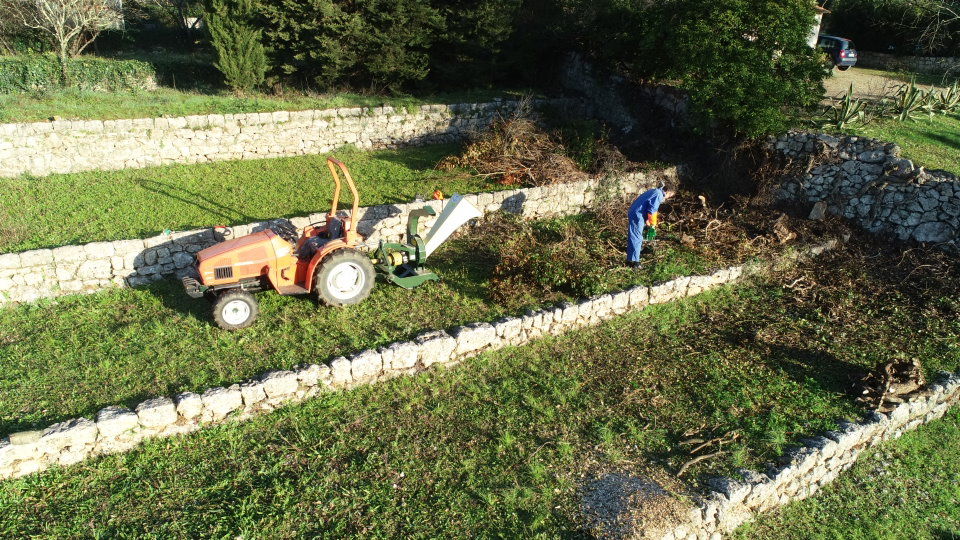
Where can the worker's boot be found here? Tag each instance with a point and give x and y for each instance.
(633, 264)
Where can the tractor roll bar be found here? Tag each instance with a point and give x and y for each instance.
(333, 163)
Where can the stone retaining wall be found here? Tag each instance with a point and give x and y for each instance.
(118, 429)
(622, 103)
(45, 273)
(866, 181)
(42, 148)
(804, 471)
(919, 64)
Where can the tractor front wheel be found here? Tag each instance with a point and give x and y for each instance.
(344, 278)
(234, 310)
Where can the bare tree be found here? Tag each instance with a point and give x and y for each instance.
(68, 25)
(8, 30)
(937, 21)
(186, 14)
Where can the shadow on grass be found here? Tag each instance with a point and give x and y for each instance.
(421, 158)
(192, 198)
(944, 140)
(830, 373)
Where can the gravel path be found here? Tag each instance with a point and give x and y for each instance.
(867, 83)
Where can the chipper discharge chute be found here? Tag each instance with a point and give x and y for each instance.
(402, 264)
(329, 259)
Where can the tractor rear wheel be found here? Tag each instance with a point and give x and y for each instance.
(344, 278)
(235, 309)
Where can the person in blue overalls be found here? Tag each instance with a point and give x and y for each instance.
(644, 212)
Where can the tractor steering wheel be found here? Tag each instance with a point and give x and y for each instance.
(286, 231)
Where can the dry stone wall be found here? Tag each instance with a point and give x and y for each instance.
(804, 471)
(118, 429)
(866, 181)
(43, 148)
(622, 103)
(919, 64)
(45, 273)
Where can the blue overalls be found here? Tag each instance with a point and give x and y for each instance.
(645, 206)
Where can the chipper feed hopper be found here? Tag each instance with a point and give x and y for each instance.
(329, 259)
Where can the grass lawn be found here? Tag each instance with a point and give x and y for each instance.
(500, 445)
(84, 207)
(909, 488)
(75, 355)
(493, 448)
(80, 105)
(931, 142)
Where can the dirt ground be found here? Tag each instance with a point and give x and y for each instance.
(867, 83)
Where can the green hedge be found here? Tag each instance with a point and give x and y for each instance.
(35, 73)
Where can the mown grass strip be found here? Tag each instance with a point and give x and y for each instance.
(495, 447)
(64, 209)
(500, 445)
(904, 488)
(81, 105)
(72, 356)
(933, 142)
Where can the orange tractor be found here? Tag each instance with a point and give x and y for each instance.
(330, 259)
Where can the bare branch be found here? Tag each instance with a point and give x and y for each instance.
(936, 20)
(68, 25)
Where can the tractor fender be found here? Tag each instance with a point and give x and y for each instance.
(318, 257)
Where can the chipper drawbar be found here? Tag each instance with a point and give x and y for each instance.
(330, 259)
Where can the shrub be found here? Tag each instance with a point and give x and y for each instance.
(375, 44)
(474, 43)
(41, 73)
(194, 71)
(745, 63)
(240, 54)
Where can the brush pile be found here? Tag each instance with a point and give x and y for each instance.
(515, 151)
(734, 231)
(891, 384)
(584, 255)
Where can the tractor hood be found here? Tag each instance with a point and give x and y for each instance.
(235, 244)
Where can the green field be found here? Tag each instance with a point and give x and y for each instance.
(932, 142)
(909, 488)
(495, 447)
(79, 105)
(75, 355)
(64, 209)
(500, 445)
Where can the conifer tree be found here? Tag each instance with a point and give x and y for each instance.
(241, 56)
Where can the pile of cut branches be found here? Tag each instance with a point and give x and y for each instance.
(891, 384)
(515, 151)
(726, 233)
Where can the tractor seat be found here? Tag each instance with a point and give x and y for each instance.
(334, 232)
(334, 228)
(311, 247)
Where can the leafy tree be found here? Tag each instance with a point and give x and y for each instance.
(240, 54)
(186, 15)
(745, 63)
(473, 44)
(901, 26)
(378, 44)
(938, 22)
